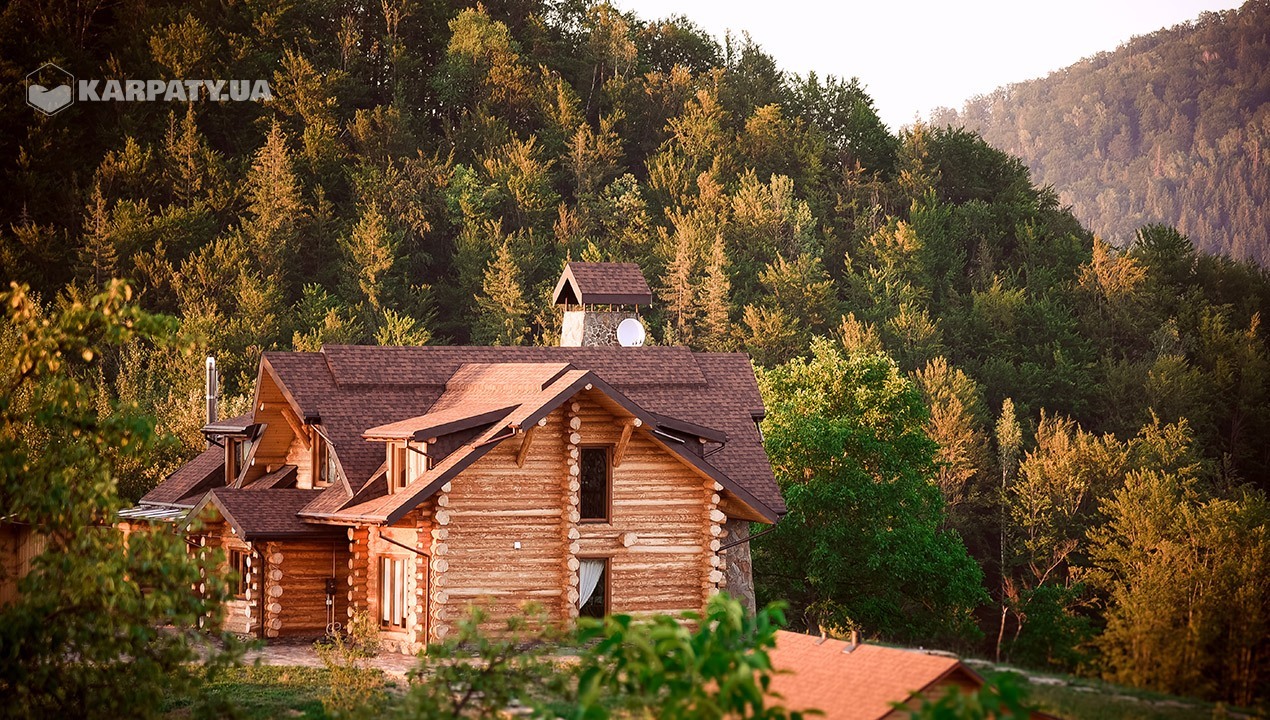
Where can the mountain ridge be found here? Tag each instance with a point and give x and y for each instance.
(1171, 127)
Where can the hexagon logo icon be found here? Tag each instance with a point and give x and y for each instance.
(50, 89)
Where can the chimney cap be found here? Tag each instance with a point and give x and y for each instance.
(584, 283)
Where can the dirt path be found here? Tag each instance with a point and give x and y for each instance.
(300, 653)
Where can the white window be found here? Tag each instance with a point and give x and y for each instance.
(392, 592)
(593, 587)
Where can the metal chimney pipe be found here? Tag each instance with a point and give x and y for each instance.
(212, 387)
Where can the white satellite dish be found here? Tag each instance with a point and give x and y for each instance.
(630, 333)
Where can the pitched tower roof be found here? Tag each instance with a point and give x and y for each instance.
(602, 284)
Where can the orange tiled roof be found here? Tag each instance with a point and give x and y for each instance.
(856, 685)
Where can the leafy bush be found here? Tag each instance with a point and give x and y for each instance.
(355, 688)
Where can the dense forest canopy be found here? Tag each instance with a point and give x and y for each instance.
(1094, 418)
(1172, 127)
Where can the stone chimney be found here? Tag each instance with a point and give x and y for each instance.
(597, 297)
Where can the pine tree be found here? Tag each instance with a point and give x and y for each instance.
(679, 290)
(956, 424)
(399, 329)
(98, 257)
(1009, 438)
(188, 160)
(274, 205)
(502, 306)
(717, 331)
(370, 260)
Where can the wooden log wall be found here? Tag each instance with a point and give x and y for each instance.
(491, 507)
(359, 569)
(662, 537)
(19, 546)
(572, 513)
(242, 615)
(293, 592)
(367, 544)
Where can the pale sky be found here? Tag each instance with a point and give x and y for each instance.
(917, 55)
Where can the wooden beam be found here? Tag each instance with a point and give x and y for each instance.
(524, 446)
(301, 433)
(620, 450)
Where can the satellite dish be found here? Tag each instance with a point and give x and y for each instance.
(630, 333)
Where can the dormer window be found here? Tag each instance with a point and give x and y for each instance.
(326, 472)
(242, 452)
(398, 467)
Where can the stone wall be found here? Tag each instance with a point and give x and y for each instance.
(591, 328)
(740, 569)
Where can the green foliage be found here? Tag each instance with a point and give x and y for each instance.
(83, 639)
(426, 169)
(696, 666)
(478, 673)
(666, 669)
(354, 688)
(502, 303)
(863, 545)
(1184, 571)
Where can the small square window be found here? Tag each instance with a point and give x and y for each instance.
(401, 466)
(326, 465)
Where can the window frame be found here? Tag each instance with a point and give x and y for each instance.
(326, 470)
(398, 466)
(386, 614)
(606, 582)
(238, 562)
(608, 484)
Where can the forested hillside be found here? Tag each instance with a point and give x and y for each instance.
(1173, 127)
(1010, 438)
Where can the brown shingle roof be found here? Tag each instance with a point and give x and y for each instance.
(856, 685)
(191, 480)
(355, 388)
(283, 477)
(585, 283)
(715, 390)
(256, 518)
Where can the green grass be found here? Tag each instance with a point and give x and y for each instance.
(1083, 699)
(258, 693)
(266, 692)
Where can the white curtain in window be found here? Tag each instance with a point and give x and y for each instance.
(589, 574)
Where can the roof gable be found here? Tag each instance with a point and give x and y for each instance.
(602, 284)
(254, 518)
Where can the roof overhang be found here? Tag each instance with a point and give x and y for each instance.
(154, 513)
(428, 426)
(210, 501)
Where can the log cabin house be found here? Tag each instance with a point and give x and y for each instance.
(412, 482)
